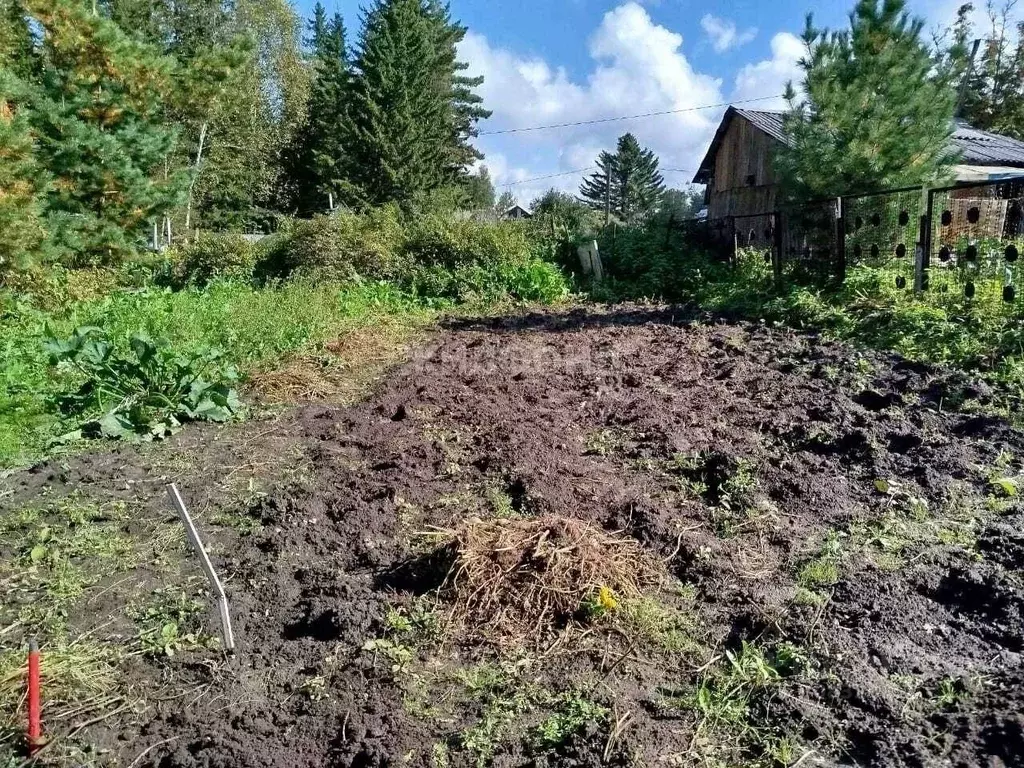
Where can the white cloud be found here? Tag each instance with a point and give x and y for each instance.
(769, 77)
(638, 67)
(724, 34)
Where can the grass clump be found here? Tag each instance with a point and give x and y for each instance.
(573, 713)
(519, 579)
(56, 554)
(171, 622)
(731, 701)
(76, 676)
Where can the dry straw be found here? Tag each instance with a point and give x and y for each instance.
(515, 579)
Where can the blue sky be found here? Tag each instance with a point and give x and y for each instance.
(557, 61)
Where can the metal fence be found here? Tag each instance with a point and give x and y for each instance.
(965, 239)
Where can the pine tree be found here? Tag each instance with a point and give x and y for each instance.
(98, 130)
(22, 181)
(318, 162)
(627, 184)
(877, 111)
(993, 94)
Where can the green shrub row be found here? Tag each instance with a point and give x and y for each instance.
(435, 256)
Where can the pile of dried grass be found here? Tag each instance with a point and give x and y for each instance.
(521, 579)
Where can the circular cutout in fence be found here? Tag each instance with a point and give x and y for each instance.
(974, 214)
(945, 254)
(876, 220)
(1012, 253)
(768, 233)
(751, 237)
(874, 251)
(1009, 294)
(969, 290)
(857, 251)
(858, 223)
(904, 218)
(901, 251)
(767, 257)
(901, 282)
(971, 254)
(947, 218)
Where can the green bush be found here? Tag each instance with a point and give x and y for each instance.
(450, 243)
(531, 280)
(345, 246)
(209, 256)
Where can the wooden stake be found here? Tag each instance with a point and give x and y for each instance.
(204, 559)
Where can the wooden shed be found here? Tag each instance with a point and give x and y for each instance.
(739, 168)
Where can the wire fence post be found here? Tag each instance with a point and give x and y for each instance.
(924, 247)
(779, 238)
(841, 239)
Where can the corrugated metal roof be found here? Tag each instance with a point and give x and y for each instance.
(769, 122)
(984, 148)
(974, 146)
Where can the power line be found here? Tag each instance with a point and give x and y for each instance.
(624, 117)
(550, 176)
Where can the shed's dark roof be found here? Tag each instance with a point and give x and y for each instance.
(975, 147)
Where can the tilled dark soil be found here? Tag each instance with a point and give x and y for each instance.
(734, 453)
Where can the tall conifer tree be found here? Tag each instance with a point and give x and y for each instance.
(627, 184)
(876, 111)
(97, 125)
(22, 181)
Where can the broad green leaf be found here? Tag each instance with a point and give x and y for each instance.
(38, 553)
(883, 486)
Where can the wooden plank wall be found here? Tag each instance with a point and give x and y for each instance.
(744, 151)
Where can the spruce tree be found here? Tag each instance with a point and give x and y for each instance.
(397, 122)
(600, 190)
(877, 111)
(318, 162)
(627, 184)
(465, 106)
(98, 131)
(412, 113)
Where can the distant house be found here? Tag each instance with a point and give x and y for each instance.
(516, 213)
(740, 175)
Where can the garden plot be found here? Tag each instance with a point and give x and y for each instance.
(624, 538)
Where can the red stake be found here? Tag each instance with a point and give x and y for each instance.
(35, 728)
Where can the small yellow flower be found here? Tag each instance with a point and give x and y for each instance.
(606, 599)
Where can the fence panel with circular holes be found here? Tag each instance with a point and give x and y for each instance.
(809, 244)
(881, 231)
(976, 239)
